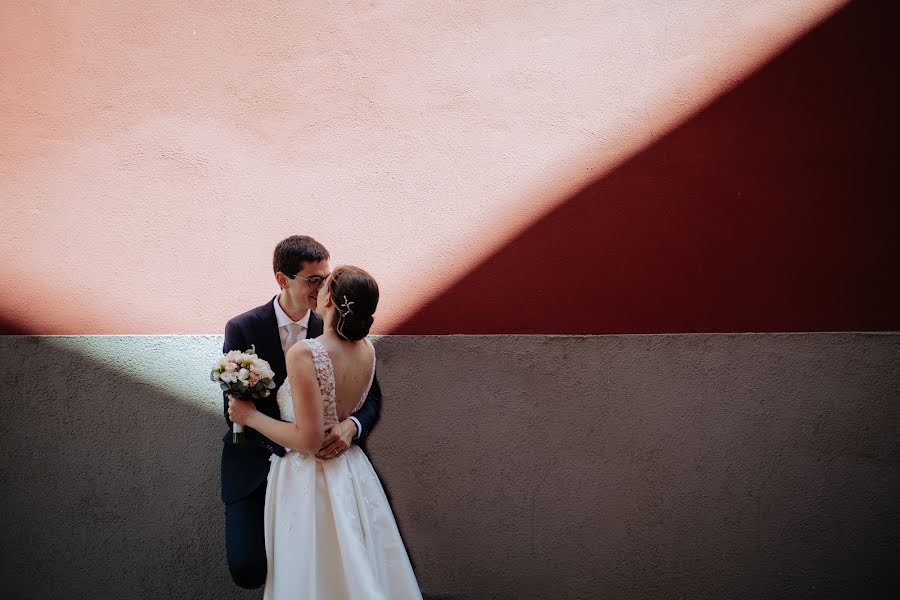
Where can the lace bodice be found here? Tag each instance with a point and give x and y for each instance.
(325, 377)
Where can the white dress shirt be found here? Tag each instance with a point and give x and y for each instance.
(301, 326)
(285, 323)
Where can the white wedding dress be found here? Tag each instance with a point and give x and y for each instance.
(330, 533)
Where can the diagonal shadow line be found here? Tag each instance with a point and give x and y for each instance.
(76, 521)
(773, 209)
(111, 468)
(110, 483)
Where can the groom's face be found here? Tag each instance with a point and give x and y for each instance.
(302, 292)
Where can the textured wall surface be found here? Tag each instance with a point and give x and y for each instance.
(695, 466)
(110, 482)
(413, 138)
(517, 167)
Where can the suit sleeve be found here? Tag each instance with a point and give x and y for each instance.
(370, 410)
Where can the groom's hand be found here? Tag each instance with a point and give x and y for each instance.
(337, 439)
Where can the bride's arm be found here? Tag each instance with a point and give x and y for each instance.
(308, 430)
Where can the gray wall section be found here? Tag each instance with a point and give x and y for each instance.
(663, 466)
(110, 484)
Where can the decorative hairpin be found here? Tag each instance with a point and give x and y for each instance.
(346, 306)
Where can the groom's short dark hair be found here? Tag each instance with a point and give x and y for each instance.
(292, 252)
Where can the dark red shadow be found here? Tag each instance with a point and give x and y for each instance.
(774, 209)
(10, 327)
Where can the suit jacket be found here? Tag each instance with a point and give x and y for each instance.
(246, 466)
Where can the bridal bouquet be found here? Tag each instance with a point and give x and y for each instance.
(246, 376)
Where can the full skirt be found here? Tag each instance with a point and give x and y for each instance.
(330, 533)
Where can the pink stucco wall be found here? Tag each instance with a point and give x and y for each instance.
(154, 153)
(774, 208)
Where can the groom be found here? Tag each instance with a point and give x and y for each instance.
(301, 265)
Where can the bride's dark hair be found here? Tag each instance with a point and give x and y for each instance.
(355, 295)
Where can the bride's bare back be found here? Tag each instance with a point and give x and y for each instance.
(354, 365)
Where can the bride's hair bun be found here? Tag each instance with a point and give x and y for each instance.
(355, 295)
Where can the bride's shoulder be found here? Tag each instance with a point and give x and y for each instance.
(369, 348)
(299, 354)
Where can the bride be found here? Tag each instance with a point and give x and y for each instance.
(329, 529)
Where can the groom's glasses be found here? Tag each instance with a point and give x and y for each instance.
(314, 281)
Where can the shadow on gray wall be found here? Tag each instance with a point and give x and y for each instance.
(110, 486)
(698, 466)
(675, 466)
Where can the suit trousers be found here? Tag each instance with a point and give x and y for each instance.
(245, 541)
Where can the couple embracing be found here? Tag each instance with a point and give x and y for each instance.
(305, 513)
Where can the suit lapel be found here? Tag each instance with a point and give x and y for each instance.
(269, 337)
(315, 326)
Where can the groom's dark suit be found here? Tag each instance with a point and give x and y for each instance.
(245, 467)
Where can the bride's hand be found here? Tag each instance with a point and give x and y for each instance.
(239, 411)
(337, 440)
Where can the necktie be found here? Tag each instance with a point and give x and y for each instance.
(293, 335)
